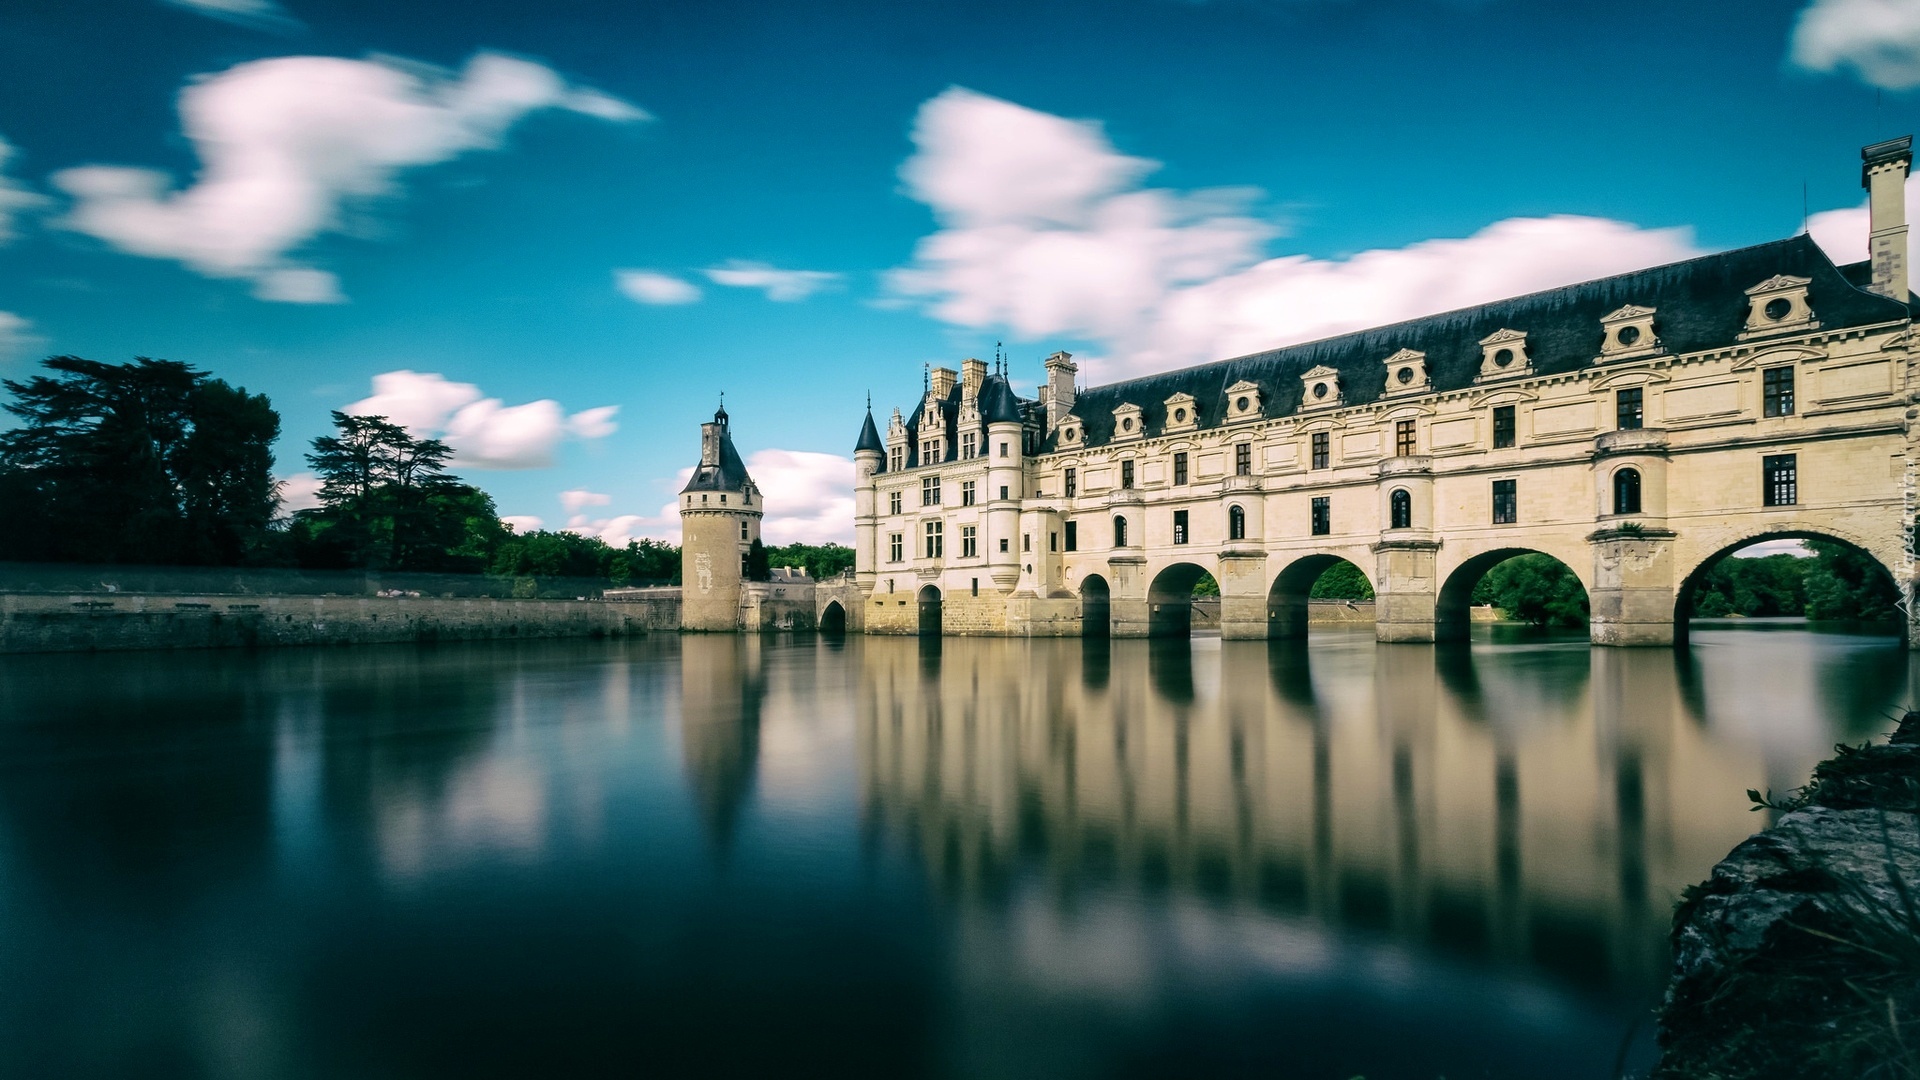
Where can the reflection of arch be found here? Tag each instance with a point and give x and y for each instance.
(1096, 607)
(1287, 599)
(1170, 600)
(930, 611)
(1170, 668)
(1453, 611)
(833, 620)
(1683, 602)
(1626, 491)
(1400, 509)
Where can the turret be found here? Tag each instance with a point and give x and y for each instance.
(1001, 411)
(1883, 172)
(720, 511)
(869, 452)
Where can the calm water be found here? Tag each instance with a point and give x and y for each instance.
(733, 857)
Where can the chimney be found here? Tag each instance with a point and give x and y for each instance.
(972, 374)
(941, 383)
(1883, 172)
(710, 443)
(1060, 372)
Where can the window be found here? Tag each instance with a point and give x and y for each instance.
(1243, 459)
(1003, 545)
(929, 491)
(966, 493)
(1403, 438)
(896, 547)
(1073, 536)
(1180, 467)
(1506, 502)
(936, 540)
(1628, 409)
(1399, 509)
(1026, 541)
(1322, 516)
(1782, 480)
(1322, 449)
(969, 541)
(929, 451)
(893, 502)
(1003, 449)
(1126, 474)
(743, 532)
(1072, 483)
(1179, 526)
(976, 586)
(1119, 532)
(1626, 491)
(1777, 385)
(1053, 541)
(1502, 426)
(1003, 492)
(896, 458)
(966, 446)
(1236, 523)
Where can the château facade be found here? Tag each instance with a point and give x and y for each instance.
(1638, 428)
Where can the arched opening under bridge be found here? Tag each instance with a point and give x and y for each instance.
(1520, 584)
(929, 611)
(1170, 599)
(1785, 574)
(1310, 578)
(833, 620)
(1096, 607)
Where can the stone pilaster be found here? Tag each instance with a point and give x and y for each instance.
(1406, 590)
(1633, 587)
(1243, 594)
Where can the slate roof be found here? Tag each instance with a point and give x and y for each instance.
(997, 404)
(729, 475)
(1700, 303)
(870, 436)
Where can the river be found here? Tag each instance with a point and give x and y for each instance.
(726, 856)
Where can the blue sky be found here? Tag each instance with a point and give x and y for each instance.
(556, 232)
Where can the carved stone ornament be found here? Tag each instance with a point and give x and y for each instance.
(1406, 373)
(1503, 355)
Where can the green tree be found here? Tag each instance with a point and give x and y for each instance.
(1847, 583)
(1535, 588)
(820, 561)
(1341, 581)
(387, 501)
(759, 567)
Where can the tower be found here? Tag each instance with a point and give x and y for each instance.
(868, 453)
(720, 512)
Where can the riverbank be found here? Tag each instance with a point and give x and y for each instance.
(1800, 955)
(111, 622)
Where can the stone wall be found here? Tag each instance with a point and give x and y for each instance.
(63, 622)
(652, 609)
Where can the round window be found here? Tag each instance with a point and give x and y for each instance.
(1503, 357)
(1778, 307)
(1127, 424)
(1242, 404)
(1179, 416)
(1319, 389)
(1070, 434)
(1405, 375)
(1627, 335)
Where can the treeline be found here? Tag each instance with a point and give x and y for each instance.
(1838, 582)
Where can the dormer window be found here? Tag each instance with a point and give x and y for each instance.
(1182, 415)
(1626, 334)
(1320, 388)
(1503, 355)
(1128, 422)
(1778, 305)
(1407, 372)
(1244, 401)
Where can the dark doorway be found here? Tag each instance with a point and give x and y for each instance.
(1096, 607)
(929, 612)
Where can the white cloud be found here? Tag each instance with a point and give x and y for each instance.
(1877, 40)
(619, 531)
(14, 197)
(785, 286)
(522, 523)
(1842, 234)
(653, 287)
(1045, 229)
(264, 14)
(485, 433)
(577, 499)
(16, 336)
(301, 491)
(809, 499)
(286, 143)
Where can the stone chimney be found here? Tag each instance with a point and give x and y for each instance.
(940, 382)
(1883, 172)
(972, 374)
(1060, 372)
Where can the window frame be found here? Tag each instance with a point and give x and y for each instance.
(896, 547)
(1406, 438)
(1320, 450)
(1243, 459)
(1236, 522)
(1320, 516)
(929, 491)
(969, 541)
(1506, 427)
(1119, 530)
(1179, 467)
(1780, 480)
(1126, 474)
(1627, 483)
(1777, 400)
(1506, 502)
(896, 500)
(1182, 530)
(1073, 535)
(1070, 482)
(1630, 417)
(935, 532)
(967, 492)
(1399, 509)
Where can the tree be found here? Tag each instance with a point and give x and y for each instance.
(1537, 589)
(1847, 583)
(1341, 581)
(152, 461)
(820, 561)
(759, 567)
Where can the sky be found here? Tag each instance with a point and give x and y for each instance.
(555, 234)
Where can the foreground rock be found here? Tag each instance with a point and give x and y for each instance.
(1800, 956)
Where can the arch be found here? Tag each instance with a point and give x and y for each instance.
(1170, 600)
(1119, 530)
(1683, 600)
(1453, 609)
(1236, 523)
(1400, 509)
(929, 611)
(1096, 607)
(1292, 589)
(1626, 490)
(833, 618)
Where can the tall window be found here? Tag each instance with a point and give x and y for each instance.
(1626, 491)
(743, 532)
(1073, 536)
(1243, 459)
(1003, 449)
(1403, 438)
(1003, 493)
(893, 502)
(1126, 474)
(969, 541)
(1119, 532)
(929, 451)
(896, 547)
(1782, 475)
(1072, 483)
(929, 491)
(936, 540)
(1502, 426)
(1179, 526)
(1777, 386)
(967, 441)
(1322, 452)
(1399, 509)
(1236, 523)
(966, 493)
(1180, 467)
(1053, 541)
(1628, 408)
(896, 458)
(1506, 502)
(1322, 516)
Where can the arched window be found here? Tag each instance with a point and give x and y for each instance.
(1119, 531)
(1400, 509)
(1236, 523)
(1626, 491)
